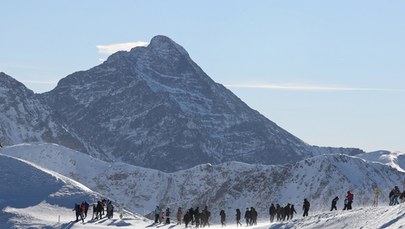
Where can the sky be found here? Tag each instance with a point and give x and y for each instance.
(330, 72)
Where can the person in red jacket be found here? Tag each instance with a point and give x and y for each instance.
(349, 198)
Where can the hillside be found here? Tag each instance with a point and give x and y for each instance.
(36, 197)
(44, 200)
(231, 185)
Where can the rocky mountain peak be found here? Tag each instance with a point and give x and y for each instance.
(164, 46)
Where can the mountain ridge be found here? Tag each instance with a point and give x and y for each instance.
(155, 107)
(231, 185)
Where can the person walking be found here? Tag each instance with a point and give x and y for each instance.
(397, 194)
(292, 211)
(272, 212)
(157, 212)
(305, 207)
(334, 201)
(238, 217)
(179, 215)
(167, 215)
(247, 216)
(223, 217)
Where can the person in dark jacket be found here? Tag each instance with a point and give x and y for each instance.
(253, 216)
(287, 211)
(247, 216)
(292, 211)
(100, 208)
(397, 194)
(223, 217)
(79, 212)
(205, 217)
(305, 207)
(167, 215)
(188, 216)
(272, 212)
(196, 217)
(334, 201)
(278, 211)
(238, 216)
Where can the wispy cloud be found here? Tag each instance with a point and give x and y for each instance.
(112, 48)
(39, 82)
(298, 87)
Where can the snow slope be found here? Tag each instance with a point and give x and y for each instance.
(366, 218)
(230, 185)
(34, 197)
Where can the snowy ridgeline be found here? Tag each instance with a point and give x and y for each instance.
(229, 186)
(35, 197)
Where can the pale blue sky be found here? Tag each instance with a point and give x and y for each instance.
(330, 72)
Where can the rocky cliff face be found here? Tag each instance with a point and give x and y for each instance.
(24, 118)
(154, 107)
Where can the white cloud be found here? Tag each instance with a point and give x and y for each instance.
(112, 48)
(298, 87)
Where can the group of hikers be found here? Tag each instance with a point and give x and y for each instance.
(282, 213)
(276, 213)
(396, 194)
(201, 218)
(347, 203)
(99, 209)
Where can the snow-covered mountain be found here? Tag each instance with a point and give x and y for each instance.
(35, 197)
(393, 159)
(229, 185)
(152, 107)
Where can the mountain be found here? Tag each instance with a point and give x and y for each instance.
(24, 118)
(393, 159)
(154, 107)
(229, 185)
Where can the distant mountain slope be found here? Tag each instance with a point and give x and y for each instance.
(154, 107)
(24, 118)
(393, 159)
(230, 185)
